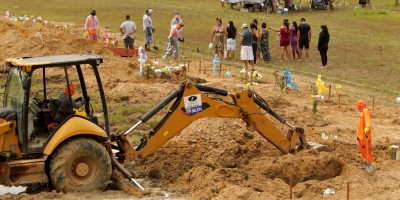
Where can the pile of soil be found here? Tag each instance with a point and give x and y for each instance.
(216, 158)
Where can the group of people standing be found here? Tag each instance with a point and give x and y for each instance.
(255, 41)
(128, 28)
(223, 40)
(299, 38)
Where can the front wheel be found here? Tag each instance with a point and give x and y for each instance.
(81, 164)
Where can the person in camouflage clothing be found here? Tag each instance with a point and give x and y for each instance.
(218, 37)
(264, 43)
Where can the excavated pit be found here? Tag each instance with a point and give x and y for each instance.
(313, 168)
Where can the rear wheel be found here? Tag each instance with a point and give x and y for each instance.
(81, 164)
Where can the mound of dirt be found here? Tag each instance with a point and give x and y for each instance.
(22, 39)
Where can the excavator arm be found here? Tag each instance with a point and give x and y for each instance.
(192, 102)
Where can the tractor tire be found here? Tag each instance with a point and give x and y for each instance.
(80, 165)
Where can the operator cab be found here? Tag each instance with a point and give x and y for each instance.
(33, 91)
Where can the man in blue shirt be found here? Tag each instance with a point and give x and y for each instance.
(246, 51)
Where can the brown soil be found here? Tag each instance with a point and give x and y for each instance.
(220, 158)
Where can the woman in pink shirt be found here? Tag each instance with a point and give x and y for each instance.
(173, 41)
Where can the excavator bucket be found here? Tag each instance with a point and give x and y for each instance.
(296, 134)
(123, 184)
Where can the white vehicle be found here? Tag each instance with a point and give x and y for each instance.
(252, 5)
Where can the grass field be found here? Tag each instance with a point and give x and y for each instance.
(354, 52)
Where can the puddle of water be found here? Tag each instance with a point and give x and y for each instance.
(12, 189)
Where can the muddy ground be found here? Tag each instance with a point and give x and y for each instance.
(221, 158)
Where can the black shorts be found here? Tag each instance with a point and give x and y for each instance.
(304, 44)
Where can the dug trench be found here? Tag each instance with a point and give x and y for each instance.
(316, 168)
(210, 160)
(213, 159)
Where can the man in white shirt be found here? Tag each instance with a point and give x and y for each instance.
(127, 29)
(148, 29)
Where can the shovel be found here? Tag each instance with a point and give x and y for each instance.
(369, 168)
(155, 47)
(154, 43)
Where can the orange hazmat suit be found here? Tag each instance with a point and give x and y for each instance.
(364, 132)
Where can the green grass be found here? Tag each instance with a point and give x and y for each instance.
(354, 53)
(357, 12)
(136, 109)
(153, 122)
(127, 110)
(141, 109)
(117, 118)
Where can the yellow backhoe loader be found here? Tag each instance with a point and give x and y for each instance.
(77, 152)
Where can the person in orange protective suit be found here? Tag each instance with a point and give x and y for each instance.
(364, 133)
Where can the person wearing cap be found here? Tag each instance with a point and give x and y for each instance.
(148, 29)
(127, 29)
(246, 51)
(173, 46)
(177, 20)
(364, 133)
(91, 25)
(218, 36)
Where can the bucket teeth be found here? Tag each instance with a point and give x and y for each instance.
(319, 147)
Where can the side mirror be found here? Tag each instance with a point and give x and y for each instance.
(27, 83)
